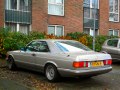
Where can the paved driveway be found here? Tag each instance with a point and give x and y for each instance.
(11, 85)
(22, 79)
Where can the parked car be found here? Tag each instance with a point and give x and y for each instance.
(55, 58)
(112, 46)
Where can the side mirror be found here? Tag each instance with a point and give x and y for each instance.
(23, 49)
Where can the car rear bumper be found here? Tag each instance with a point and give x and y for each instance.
(84, 72)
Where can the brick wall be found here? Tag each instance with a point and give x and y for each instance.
(1, 13)
(72, 20)
(105, 24)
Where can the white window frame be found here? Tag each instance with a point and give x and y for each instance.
(114, 31)
(56, 28)
(114, 11)
(59, 5)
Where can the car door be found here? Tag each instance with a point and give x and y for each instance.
(42, 56)
(27, 57)
(112, 48)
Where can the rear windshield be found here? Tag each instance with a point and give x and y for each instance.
(71, 46)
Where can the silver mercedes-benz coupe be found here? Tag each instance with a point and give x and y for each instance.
(55, 58)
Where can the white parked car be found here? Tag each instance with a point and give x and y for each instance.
(56, 58)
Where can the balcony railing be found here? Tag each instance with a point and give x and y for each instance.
(18, 16)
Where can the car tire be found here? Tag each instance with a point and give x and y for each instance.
(51, 73)
(11, 64)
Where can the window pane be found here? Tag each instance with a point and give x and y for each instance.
(87, 30)
(24, 29)
(116, 17)
(116, 32)
(55, 9)
(111, 17)
(87, 12)
(51, 30)
(94, 12)
(12, 27)
(13, 4)
(94, 3)
(116, 6)
(114, 12)
(24, 5)
(59, 31)
(86, 3)
(110, 32)
(111, 5)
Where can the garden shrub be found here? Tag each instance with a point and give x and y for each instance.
(16, 40)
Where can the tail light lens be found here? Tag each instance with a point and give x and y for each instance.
(80, 64)
(107, 62)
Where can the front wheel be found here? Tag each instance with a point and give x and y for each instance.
(51, 73)
(10, 63)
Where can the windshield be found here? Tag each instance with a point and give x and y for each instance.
(71, 46)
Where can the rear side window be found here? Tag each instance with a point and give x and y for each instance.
(38, 46)
(112, 43)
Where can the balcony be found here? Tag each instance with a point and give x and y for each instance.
(16, 16)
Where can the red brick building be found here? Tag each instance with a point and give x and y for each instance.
(60, 17)
(1, 13)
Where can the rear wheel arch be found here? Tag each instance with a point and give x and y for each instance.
(11, 56)
(50, 62)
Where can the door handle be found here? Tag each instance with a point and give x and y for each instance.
(33, 54)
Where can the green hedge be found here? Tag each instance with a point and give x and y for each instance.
(99, 40)
(15, 40)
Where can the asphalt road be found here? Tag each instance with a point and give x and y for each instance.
(27, 80)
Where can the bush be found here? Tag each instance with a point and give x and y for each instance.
(15, 40)
(88, 40)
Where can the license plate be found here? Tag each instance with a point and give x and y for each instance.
(97, 63)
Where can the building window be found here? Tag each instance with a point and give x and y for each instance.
(113, 32)
(89, 31)
(91, 3)
(89, 8)
(22, 5)
(89, 13)
(11, 4)
(11, 26)
(114, 10)
(56, 30)
(56, 7)
(24, 28)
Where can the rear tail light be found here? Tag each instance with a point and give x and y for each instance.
(80, 64)
(107, 62)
